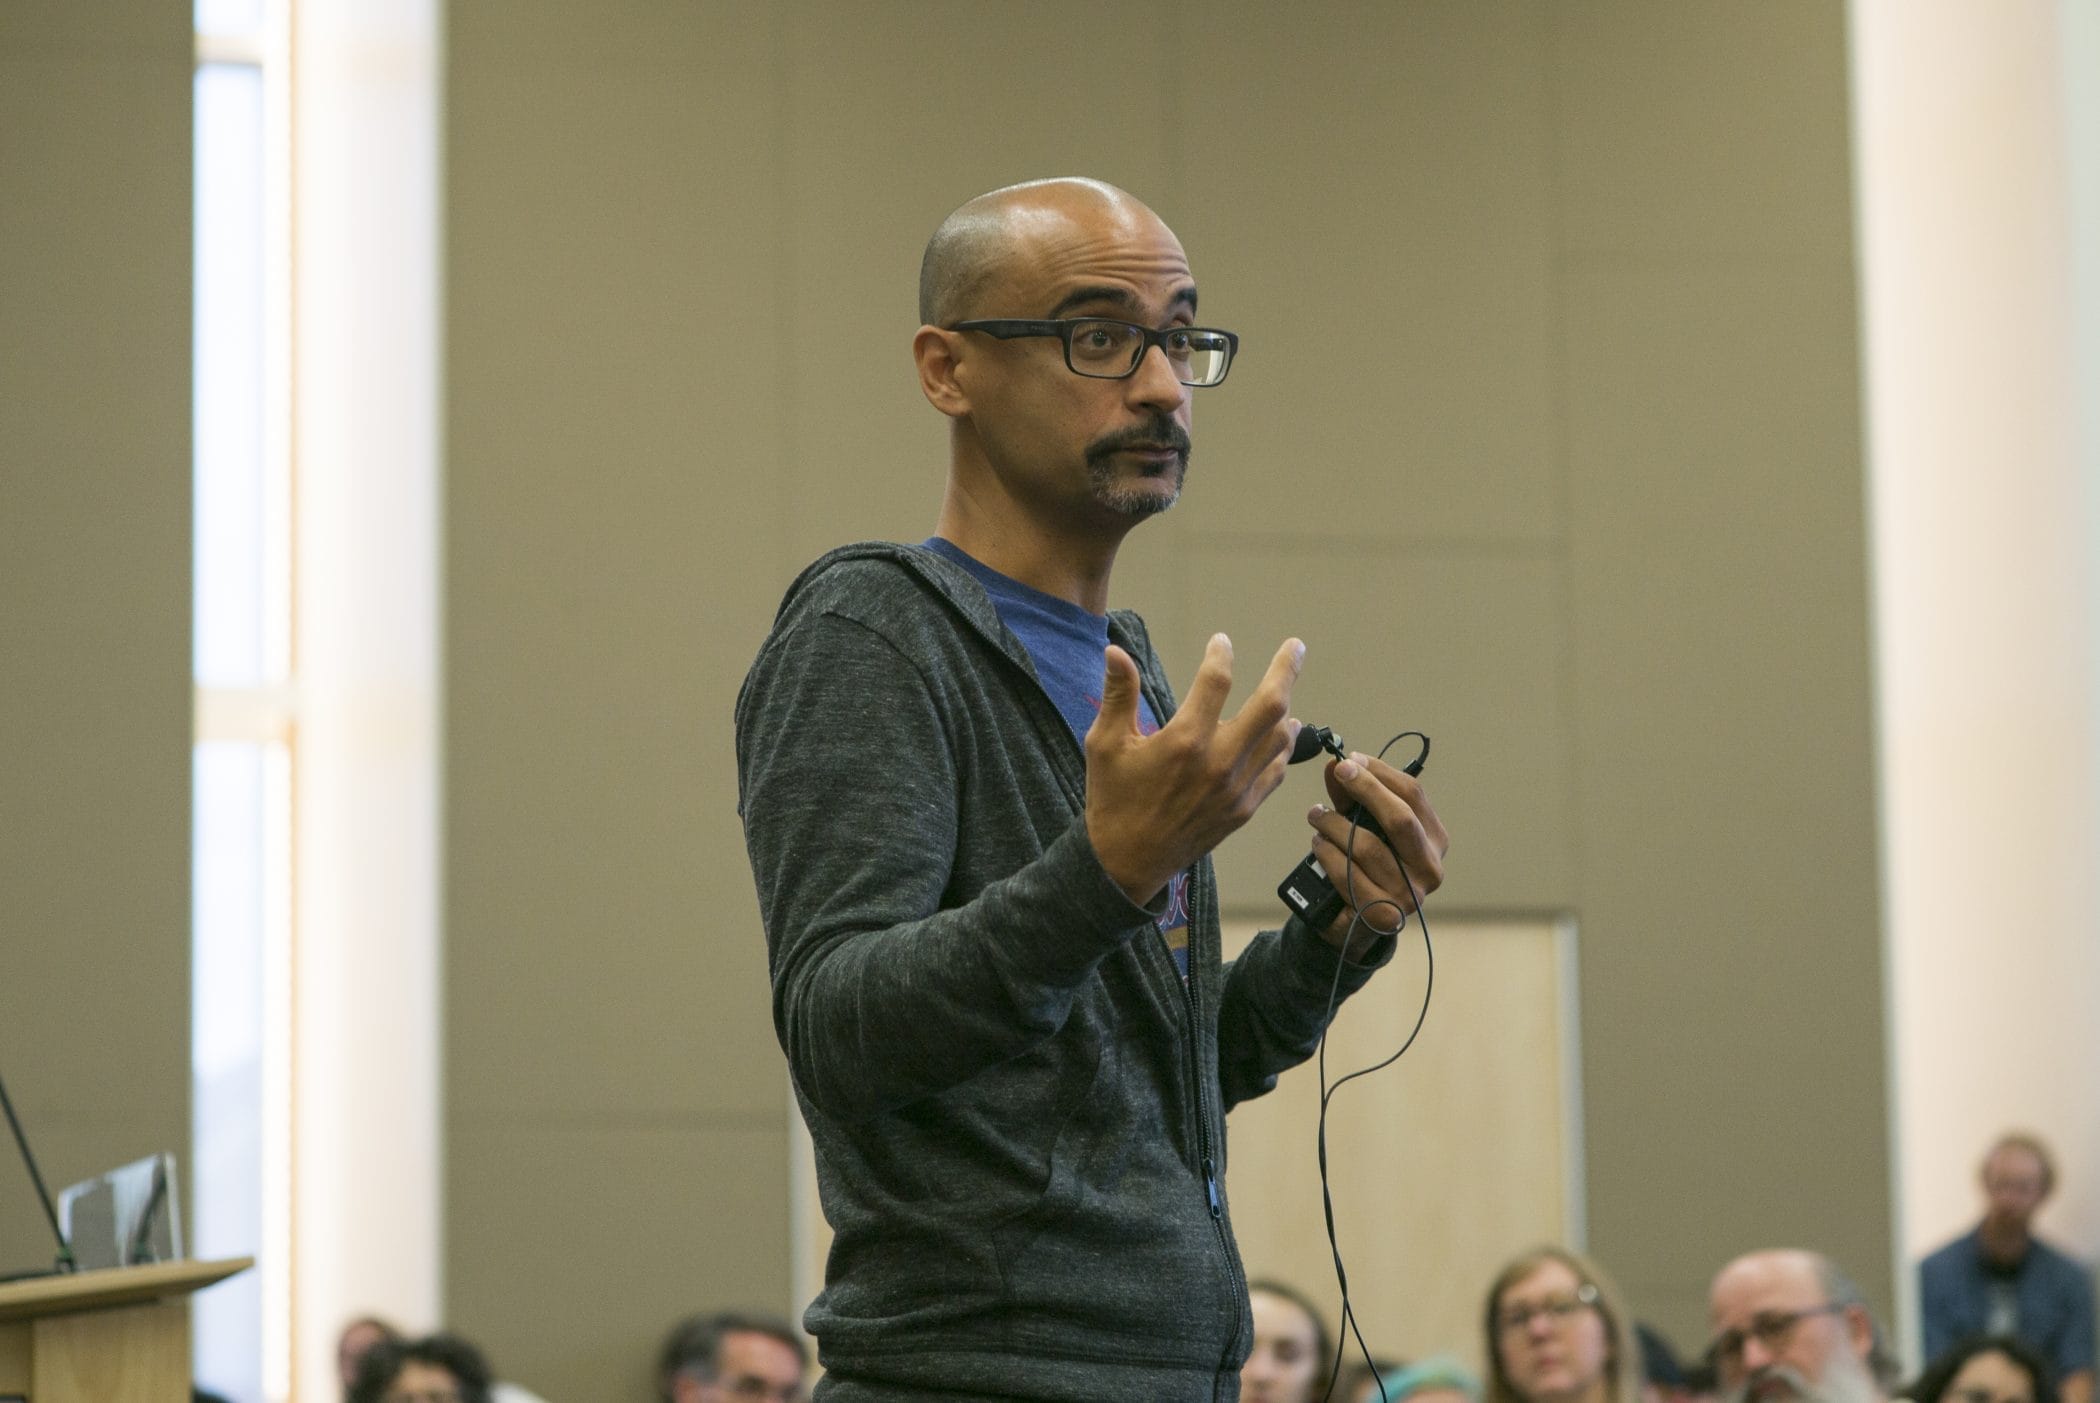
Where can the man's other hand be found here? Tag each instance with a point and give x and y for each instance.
(1397, 800)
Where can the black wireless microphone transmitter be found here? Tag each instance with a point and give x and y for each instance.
(1306, 892)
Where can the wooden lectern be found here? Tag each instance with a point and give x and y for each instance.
(115, 1336)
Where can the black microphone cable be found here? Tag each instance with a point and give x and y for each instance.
(1348, 1327)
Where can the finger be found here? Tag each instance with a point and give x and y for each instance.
(1207, 693)
(1118, 716)
(1367, 855)
(1263, 725)
(1381, 908)
(1416, 797)
(1358, 782)
(1267, 780)
(1412, 792)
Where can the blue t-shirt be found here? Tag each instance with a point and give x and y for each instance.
(1065, 642)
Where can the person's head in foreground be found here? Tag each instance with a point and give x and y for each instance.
(1788, 1325)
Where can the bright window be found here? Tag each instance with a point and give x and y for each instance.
(244, 761)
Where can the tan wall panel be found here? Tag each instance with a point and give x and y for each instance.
(1443, 1165)
(1713, 128)
(1368, 206)
(615, 1149)
(573, 1244)
(1722, 728)
(94, 592)
(606, 497)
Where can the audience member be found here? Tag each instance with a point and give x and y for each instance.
(1437, 1379)
(1789, 1325)
(367, 1332)
(1700, 1383)
(1558, 1332)
(2000, 1279)
(357, 1340)
(725, 1356)
(435, 1369)
(1292, 1349)
(1662, 1377)
(1356, 1376)
(1986, 1369)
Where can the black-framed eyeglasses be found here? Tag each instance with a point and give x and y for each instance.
(1770, 1329)
(1111, 350)
(1514, 1319)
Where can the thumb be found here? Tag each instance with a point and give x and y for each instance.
(1119, 696)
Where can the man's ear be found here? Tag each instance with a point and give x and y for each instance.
(937, 353)
(1859, 1332)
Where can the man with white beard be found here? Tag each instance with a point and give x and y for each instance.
(1789, 1326)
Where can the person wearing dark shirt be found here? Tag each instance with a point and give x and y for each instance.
(981, 831)
(2000, 1279)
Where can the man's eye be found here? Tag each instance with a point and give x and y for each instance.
(1097, 338)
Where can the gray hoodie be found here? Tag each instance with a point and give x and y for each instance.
(1018, 1106)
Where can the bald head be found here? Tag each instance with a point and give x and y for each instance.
(1789, 1323)
(982, 240)
(1787, 1266)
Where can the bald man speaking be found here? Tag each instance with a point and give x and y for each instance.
(981, 831)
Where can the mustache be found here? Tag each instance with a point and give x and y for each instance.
(1159, 432)
(1797, 1385)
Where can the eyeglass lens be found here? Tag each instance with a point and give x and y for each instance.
(1111, 350)
(1771, 1331)
(1557, 1309)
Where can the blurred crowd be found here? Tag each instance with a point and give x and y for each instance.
(2007, 1319)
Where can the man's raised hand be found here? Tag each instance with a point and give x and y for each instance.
(1154, 804)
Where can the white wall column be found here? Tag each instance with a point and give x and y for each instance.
(365, 1083)
(1982, 456)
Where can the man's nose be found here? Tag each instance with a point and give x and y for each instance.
(1756, 1355)
(1154, 382)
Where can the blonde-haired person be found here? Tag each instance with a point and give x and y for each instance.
(1558, 1332)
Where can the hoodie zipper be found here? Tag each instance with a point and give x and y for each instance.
(1213, 1192)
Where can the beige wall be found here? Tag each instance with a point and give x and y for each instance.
(94, 592)
(1546, 436)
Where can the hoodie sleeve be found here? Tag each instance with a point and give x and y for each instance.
(848, 784)
(1276, 1005)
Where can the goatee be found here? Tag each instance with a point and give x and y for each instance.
(1133, 499)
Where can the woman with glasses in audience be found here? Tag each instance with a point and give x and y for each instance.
(1985, 1369)
(1558, 1332)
